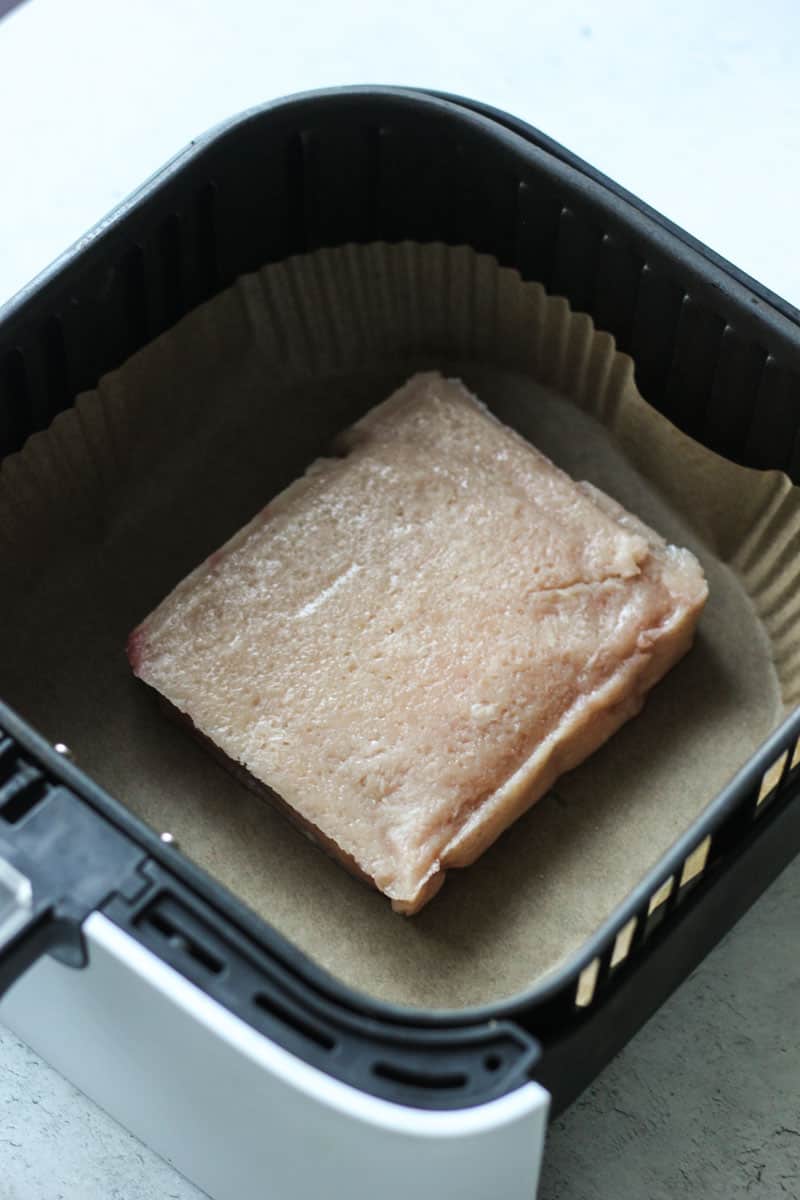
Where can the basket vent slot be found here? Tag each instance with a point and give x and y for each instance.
(661, 895)
(22, 785)
(623, 942)
(695, 863)
(417, 1078)
(21, 794)
(771, 779)
(587, 983)
(796, 756)
(180, 940)
(296, 1022)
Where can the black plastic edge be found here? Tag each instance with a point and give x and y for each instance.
(69, 858)
(535, 136)
(494, 120)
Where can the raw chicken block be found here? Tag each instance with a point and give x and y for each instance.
(411, 643)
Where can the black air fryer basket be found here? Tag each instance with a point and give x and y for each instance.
(714, 351)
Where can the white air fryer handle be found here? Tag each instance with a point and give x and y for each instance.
(243, 1118)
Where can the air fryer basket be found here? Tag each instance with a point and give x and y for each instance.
(715, 352)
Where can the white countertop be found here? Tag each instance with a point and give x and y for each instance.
(694, 106)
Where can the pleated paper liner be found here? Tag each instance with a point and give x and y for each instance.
(144, 477)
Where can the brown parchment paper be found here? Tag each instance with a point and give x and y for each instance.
(104, 513)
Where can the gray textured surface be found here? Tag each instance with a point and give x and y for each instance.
(56, 1145)
(705, 1101)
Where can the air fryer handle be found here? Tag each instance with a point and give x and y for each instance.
(60, 859)
(38, 916)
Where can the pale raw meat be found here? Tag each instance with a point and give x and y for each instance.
(412, 642)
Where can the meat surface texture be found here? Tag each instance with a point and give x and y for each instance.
(413, 641)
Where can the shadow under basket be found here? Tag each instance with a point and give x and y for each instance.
(714, 352)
